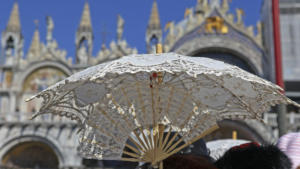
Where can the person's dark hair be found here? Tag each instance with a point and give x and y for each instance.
(188, 162)
(253, 156)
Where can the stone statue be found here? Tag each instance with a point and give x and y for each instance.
(82, 55)
(259, 32)
(170, 26)
(230, 18)
(9, 58)
(259, 28)
(50, 27)
(191, 23)
(120, 27)
(239, 14)
(171, 35)
(8, 52)
(187, 12)
(225, 6)
(250, 30)
(204, 3)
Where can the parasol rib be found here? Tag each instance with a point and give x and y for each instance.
(133, 149)
(132, 154)
(140, 141)
(166, 138)
(241, 101)
(169, 149)
(136, 144)
(210, 130)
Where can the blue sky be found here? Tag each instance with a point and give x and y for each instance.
(67, 13)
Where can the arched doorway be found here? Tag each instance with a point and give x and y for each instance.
(31, 154)
(226, 56)
(229, 127)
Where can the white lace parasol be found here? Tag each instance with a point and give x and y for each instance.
(142, 99)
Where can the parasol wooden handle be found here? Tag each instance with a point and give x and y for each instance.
(159, 49)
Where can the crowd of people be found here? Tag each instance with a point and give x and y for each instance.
(284, 155)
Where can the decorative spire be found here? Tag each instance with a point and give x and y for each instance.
(85, 22)
(50, 27)
(84, 37)
(199, 7)
(154, 22)
(154, 32)
(225, 6)
(215, 3)
(120, 27)
(34, 50)
(14, 24)
(202, 6)
(239, 15)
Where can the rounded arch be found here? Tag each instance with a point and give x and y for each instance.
(242, 51)
(32, 142)
(10, 42)
(243, 131)
(38, 65)
(228, 56)
(83, 42)
(9, 35)
(31, 154)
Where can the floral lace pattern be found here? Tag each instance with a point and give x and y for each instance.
(190, 95)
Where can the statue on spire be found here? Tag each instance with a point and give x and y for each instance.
(120, 27)
(50, 27)
(239, 14)
(203, 2)
(225, 6)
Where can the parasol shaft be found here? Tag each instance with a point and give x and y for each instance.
(159, 49)
(161, 165)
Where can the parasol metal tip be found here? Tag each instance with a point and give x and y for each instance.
(159, 48)
(30, 98)
(31, 118)
(35, 115)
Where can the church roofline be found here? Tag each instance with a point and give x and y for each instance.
(198, 19)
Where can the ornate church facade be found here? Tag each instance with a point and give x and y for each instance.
(207, 30)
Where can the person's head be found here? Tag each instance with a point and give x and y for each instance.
(290, 145)
(254, 156)
(188, 162)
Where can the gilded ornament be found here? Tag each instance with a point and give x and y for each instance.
(215, 23)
